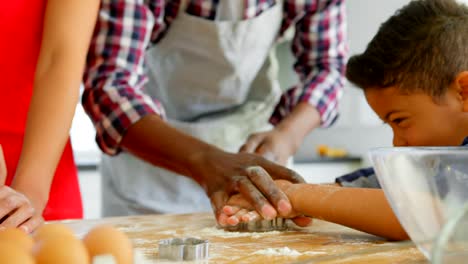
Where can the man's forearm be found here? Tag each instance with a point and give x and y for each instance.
(359, 208)
(155, 141)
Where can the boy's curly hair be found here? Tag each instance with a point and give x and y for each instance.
(422, 47)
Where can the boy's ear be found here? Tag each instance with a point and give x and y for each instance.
(462, 87)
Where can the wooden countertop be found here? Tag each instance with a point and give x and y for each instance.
(323, 242)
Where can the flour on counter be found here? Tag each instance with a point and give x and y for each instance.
(168, 232)
(138, 258)
(262, 234)
(284, 251)
(134, 228)
(139, 241)
(314, 253)
(213, 231)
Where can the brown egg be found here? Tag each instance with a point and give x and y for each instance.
(14, 254)
(104, 240)
(17, 237)
(51, 231)
(61, 250)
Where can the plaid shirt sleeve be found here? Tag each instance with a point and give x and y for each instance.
(114, 73)
(320, 48)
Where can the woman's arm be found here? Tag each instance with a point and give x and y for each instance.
(68, 27)
(3, 168)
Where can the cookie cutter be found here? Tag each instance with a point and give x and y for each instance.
(277, 224)
(179, 249)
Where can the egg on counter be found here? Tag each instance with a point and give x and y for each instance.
(61, 249)
(14, 254)
(17, 237)
(107, 240)
(52, 231)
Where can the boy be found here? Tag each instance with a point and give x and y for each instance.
(414, 74)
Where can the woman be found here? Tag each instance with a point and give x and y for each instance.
(43, 53)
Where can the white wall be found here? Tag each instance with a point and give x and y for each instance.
(82, 136)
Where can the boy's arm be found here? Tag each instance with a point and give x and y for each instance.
(363, 209)
(359, 208)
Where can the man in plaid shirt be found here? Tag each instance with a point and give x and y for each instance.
(177, 87)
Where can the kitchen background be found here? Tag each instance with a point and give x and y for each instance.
(357, 129)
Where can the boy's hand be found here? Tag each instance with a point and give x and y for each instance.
(16, 210)
(274, 145)
(238, 209)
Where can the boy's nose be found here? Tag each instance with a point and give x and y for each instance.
(399, 141)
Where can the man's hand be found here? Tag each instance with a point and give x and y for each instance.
(16, 210)
(275, 145)
(223, 174)
(283, 141)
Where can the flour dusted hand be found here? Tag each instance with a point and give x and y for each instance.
(223, 174)
(239, 209)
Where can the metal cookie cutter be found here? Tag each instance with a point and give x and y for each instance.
(179, 249)
(278, 224)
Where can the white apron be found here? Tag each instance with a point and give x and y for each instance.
(217, 81)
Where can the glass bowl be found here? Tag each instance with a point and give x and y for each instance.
(427, 188)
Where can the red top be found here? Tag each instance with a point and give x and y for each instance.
(20, 31)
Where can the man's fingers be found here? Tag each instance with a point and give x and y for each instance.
(3, 168)
(239, 201)
(278, 172)
(266, 152)
(251, 144)
(261, 204)
(267, 186)
(218, 201)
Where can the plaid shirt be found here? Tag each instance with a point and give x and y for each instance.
(115, 71)
(366, 178)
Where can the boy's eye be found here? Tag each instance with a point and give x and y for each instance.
(398, 121)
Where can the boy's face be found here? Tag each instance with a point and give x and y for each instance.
(418, 119)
